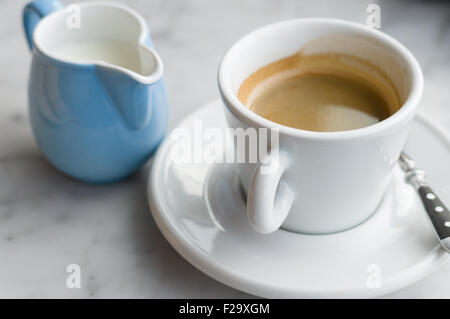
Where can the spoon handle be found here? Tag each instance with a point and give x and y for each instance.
(438, 213)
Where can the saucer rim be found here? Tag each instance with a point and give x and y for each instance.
(257, 286)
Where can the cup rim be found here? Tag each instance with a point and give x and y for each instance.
(406, 111)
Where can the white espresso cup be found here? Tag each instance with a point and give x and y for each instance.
(323, 182)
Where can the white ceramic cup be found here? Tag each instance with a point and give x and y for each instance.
(325, 182)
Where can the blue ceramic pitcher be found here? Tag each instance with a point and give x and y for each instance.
(97, 99)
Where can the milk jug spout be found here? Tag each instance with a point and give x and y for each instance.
(130, 87)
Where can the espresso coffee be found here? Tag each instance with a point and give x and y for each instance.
(327, 92)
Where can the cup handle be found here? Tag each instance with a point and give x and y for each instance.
(33, 12)
(269, 198)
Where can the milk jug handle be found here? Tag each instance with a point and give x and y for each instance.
(33, 12)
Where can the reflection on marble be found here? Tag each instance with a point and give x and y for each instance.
(48, 221)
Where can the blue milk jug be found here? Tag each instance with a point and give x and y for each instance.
(96, 94)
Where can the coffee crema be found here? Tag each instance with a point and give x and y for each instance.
(327, 92)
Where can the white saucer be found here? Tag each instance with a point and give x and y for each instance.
(201, 212)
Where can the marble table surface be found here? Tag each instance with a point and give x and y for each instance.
(48, 221)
